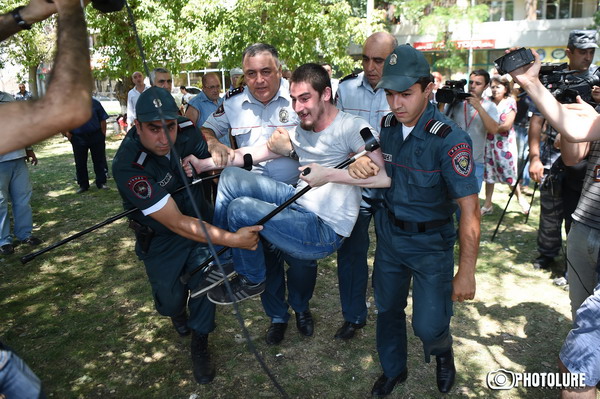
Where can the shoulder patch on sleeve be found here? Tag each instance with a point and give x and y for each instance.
(389, 120)
(233, 92)
(219, 111)
(140, 159)
(462, 162)
(438, 128)
(348, 77)
(140, 187)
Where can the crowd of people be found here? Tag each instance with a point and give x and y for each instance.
(420, 185)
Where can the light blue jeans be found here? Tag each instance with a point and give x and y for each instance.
(16, 187)
(243, 198)
(16, 379)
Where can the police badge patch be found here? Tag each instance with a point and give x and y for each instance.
(140, 186)
(461, 159)
(220, 111)
(284, 116)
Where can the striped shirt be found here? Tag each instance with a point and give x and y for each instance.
(588, 207)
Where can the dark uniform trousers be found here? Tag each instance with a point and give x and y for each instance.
(172, 258)
(427, 258)
(95, 142)
(559, 195)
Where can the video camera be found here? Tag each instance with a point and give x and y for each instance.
(108, 5)
(453, 90)
(564, 86)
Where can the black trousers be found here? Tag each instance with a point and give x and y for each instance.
(559, 195)
(95, 143)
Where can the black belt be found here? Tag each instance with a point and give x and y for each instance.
(417, 227)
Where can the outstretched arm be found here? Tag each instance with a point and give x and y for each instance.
(259, 153)
(576, 122)
(67, 103)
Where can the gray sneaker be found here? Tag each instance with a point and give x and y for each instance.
(242, 289)
(211, 277)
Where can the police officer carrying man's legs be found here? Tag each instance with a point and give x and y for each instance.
(429, 160)
(169, 240)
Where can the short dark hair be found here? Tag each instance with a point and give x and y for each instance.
(482, 72)
(183, 87)
(315, 75)
(258, 48)
(504, 82)
(424, 81)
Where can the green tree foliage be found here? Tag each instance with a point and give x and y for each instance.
(29, 48)
(437, 18)
(302, 30)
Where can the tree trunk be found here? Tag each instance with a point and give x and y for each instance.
(33, 86)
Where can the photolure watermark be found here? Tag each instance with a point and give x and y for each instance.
(502, 379)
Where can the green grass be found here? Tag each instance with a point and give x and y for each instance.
(83, 318)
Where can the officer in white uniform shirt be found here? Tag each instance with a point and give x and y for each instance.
(252, 114)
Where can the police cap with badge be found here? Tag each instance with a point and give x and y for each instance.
(155, 104)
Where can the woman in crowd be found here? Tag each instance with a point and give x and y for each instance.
(501, 154)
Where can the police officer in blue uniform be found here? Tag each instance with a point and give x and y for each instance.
(169, 240)
(429, 160)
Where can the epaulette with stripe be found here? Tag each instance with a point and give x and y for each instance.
(389, 120)
(186, 123)
(233, 92)
(140, 159)
(351, 76)
(438, 128)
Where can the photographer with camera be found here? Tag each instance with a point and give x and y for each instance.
(578, 124)
(560, 184)
(67, 103)
(478, 116)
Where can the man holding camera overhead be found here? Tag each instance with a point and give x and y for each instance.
(561, 185)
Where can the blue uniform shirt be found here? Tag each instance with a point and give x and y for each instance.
(93, 125)
(428, 171)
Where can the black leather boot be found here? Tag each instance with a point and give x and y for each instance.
(203, 367)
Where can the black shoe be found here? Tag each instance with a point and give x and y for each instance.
(276, 333)
(347, 330)
(305, 323)
(445, 372)
(31, 240)
(7, 249)
(180, 324)
(82, 190)
(211, 277)
(242, 289)
(203, 367)
(543, 262)
(384, 386)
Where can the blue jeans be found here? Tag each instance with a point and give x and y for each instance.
(243, 198)
(16, 378)
(16, 187)
(523, 147)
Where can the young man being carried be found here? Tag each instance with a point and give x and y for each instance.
(317, 223)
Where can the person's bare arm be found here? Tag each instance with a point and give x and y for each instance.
(576, 122)
(490, 125)
(67, 103)
(534, 137)
(220, 153)
(508, 122)
(573, 153)
(35, 11)
(189, 227)
(463, 284)
(259, 153)
(320, 175)
(192, 114)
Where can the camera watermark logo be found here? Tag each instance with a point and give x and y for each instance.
(502, 379)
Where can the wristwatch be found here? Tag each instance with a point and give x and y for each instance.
(16, 13)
